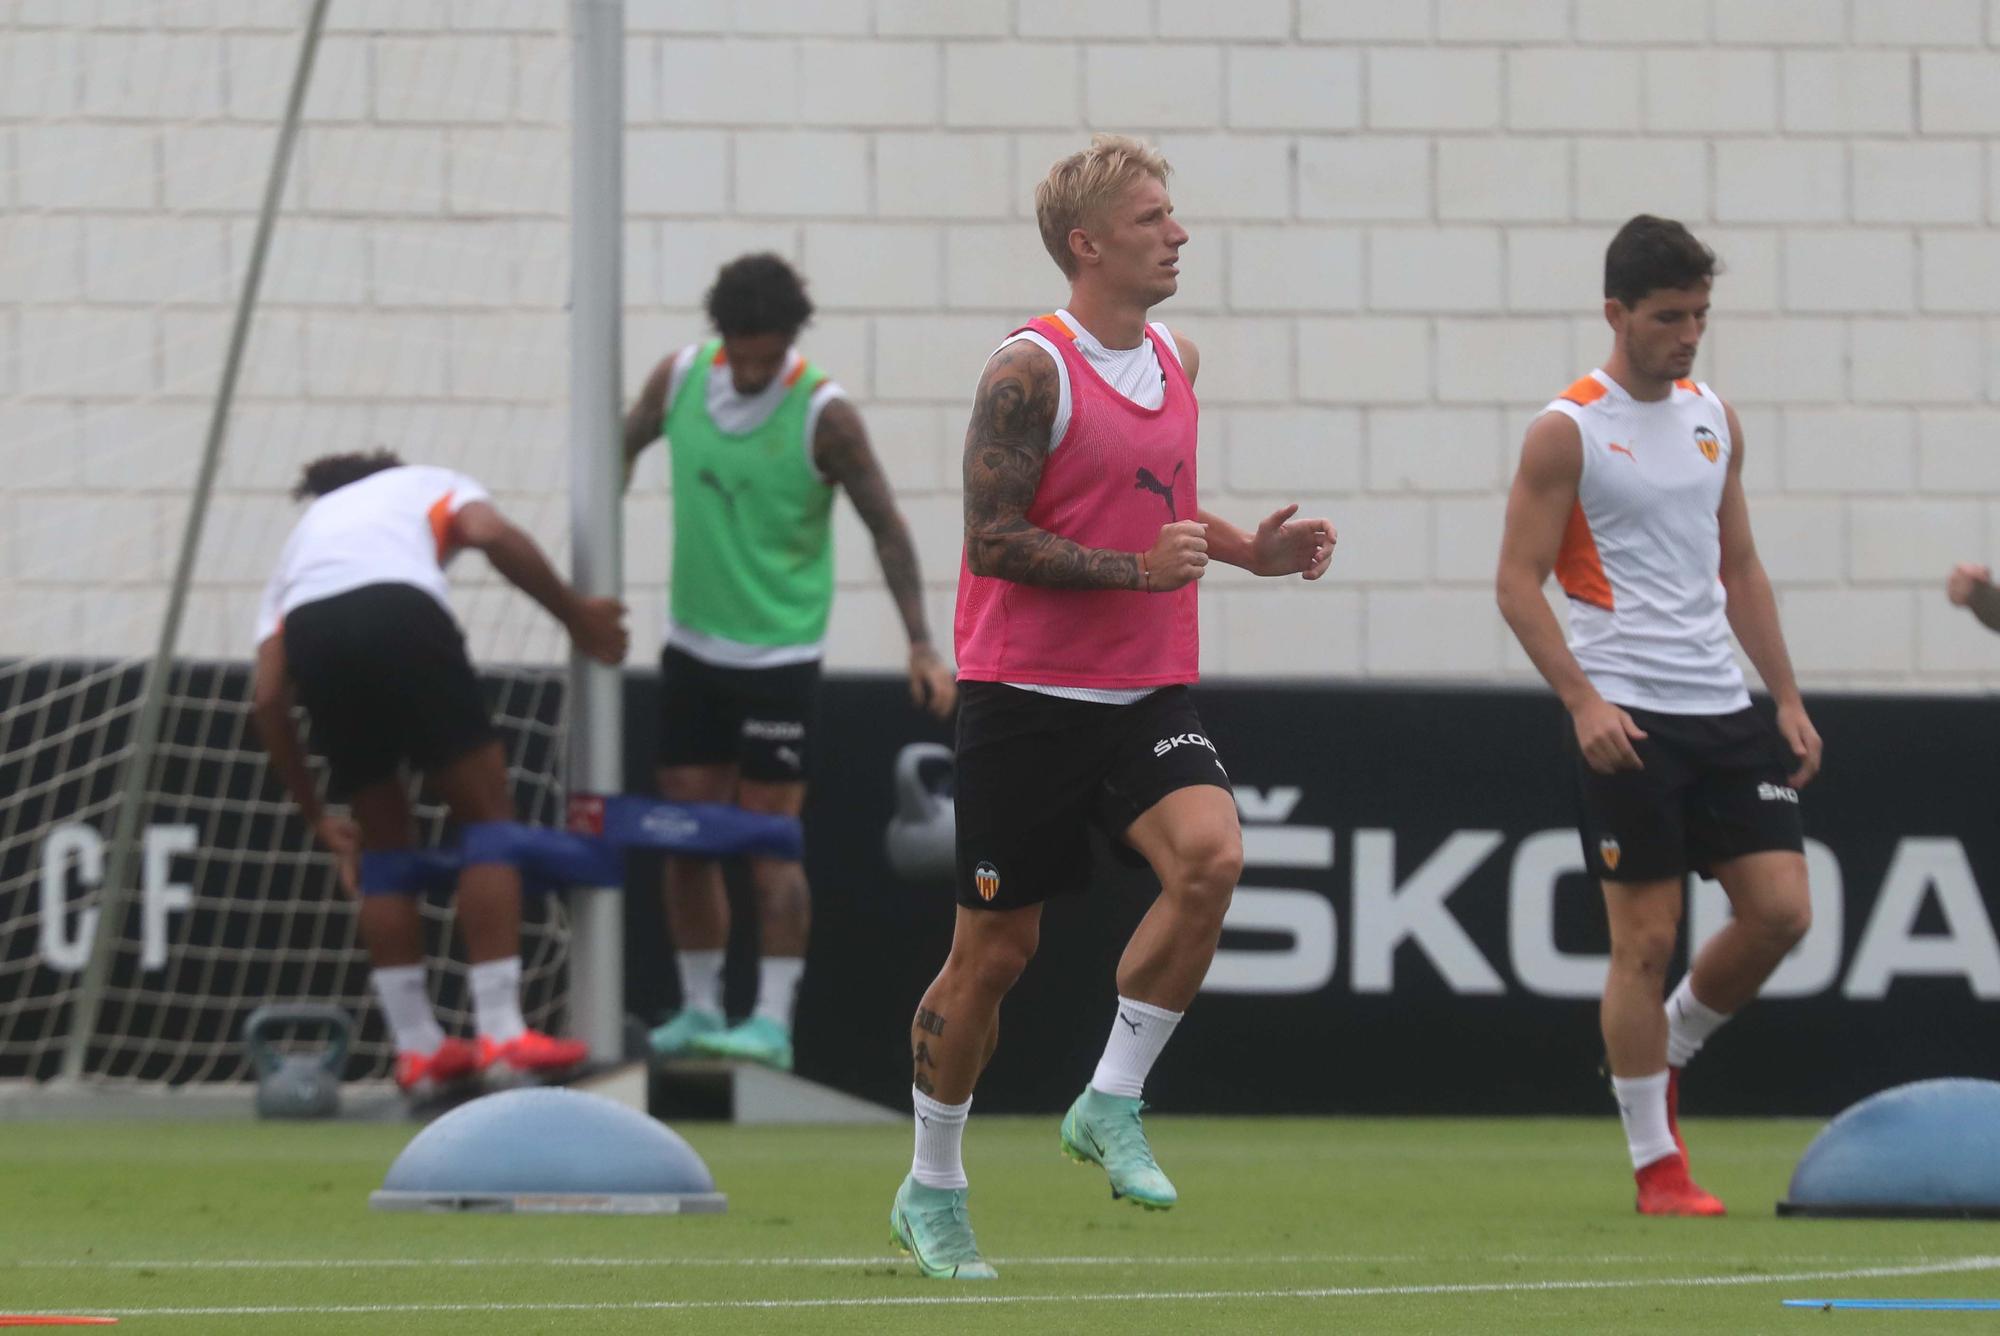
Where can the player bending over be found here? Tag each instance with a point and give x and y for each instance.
(1076, 632)
(356, 620)
(1631, 489)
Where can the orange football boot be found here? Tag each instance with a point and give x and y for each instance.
(1666, 1189)
(531, 1054)
(421, 1075)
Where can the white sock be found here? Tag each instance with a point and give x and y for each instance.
(407, 1008)
(1642, 1104)
(940, 1134)
(701, 980)
(1690, 1022)
(1137, 1036)
(777, 984)
(496, 998)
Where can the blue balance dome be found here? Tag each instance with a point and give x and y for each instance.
(1930, 1149)
(546, 1149)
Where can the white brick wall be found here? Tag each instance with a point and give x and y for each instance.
(1778, 180)
(1398, 212)
(1342, 177)
(1616, 178)
(1438, 89)
(1559, 88)
(1913, 181)
(1299, 88)
(1363, 21)
(1847, 92)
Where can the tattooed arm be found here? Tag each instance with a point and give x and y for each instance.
(647, 415)
(1006, 447)
(841, 452)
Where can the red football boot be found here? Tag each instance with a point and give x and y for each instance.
(530, 1054)
(422, 1075)
(455, 1060)
(1666, 1189)
(1674, 1109)
(413, 1073)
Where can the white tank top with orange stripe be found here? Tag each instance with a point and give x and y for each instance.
(1641, 559)
(392, 527)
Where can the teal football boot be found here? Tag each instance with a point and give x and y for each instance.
(758, 1039)
(676, 1038)
(1105, 1130)
(930, 1224)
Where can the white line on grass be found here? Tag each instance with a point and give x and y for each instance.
(1960, 1264)
(887, 1259)
(412, 1263)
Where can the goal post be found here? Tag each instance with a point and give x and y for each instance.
(596, 715)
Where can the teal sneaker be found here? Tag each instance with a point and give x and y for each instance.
(1104, 1130)
(758, 1039)
(930, 1224)
(676, 1038)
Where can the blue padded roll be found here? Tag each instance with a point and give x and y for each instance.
(631, 819)
(407, 871)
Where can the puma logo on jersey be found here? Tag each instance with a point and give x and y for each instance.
(1624, 450)
(708, 479)
(1144, 481)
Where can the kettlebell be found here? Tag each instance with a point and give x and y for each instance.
(298, 1085)
(922, 837)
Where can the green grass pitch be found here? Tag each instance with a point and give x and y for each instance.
(1285, 1225)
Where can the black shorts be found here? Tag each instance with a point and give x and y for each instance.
(757, 719)
(383, 674)
(1036, 772)
(1713, 788)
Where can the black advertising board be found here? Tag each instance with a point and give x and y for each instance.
(1414, 933)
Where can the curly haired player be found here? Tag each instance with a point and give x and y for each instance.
(355, 622)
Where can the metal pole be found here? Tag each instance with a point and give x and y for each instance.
(114, 896)
(596, 713)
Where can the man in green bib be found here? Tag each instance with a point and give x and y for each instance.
(759, 438)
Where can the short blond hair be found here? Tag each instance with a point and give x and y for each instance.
(1078, 188)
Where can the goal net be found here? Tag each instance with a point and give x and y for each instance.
(413, 300)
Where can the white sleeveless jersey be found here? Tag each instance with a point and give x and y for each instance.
(392, 527)
(1641, 559)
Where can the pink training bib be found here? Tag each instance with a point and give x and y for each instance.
(1119, 473)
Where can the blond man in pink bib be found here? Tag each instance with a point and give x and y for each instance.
(1077, 640)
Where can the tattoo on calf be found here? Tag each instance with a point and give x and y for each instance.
(922, 1056)
(930, 1020)
(923, 1084)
